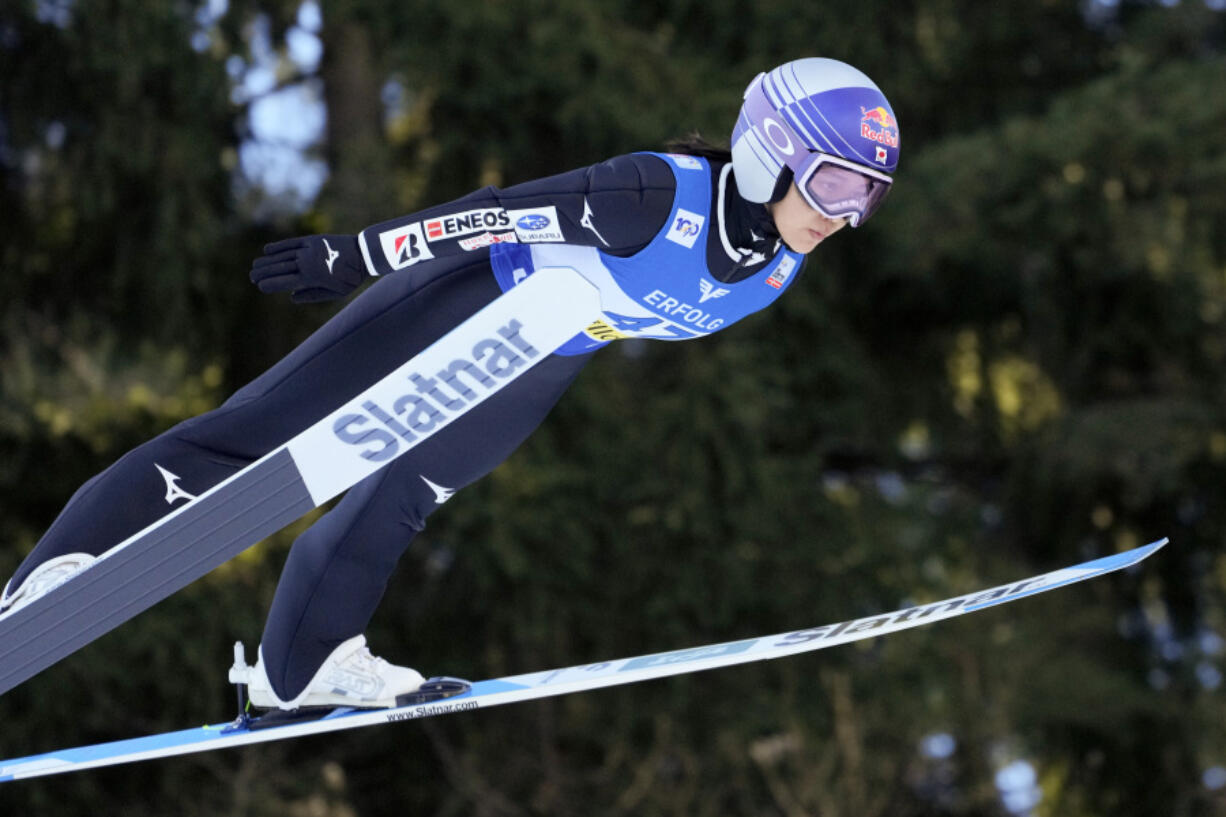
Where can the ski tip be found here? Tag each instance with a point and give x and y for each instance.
(1145, 551)
(1125, 558)
(1117, 561)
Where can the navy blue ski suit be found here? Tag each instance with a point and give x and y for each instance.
(435, 269)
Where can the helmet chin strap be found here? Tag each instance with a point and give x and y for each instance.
(782, 184)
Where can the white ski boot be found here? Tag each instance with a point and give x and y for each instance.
(350, 676)
(43, 579)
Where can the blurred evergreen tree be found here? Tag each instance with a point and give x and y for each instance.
(1017, 364)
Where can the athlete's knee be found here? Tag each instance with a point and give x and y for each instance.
(422, 498)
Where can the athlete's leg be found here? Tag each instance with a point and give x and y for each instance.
(338, 569)
(390, 322)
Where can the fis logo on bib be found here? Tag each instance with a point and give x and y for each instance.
(536, 225)
(685, 228)
(405, 246)
(686, 162)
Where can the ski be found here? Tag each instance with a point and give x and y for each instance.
(476, 359)
(511, 689)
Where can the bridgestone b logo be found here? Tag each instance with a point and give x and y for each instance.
(436, 397)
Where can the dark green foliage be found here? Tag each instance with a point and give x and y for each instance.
(1017, 365)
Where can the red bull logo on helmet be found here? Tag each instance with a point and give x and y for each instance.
(879, 125)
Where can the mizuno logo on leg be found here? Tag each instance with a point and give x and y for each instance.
(441, 494)
(173, 491)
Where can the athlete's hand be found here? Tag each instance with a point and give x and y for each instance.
(311, 268)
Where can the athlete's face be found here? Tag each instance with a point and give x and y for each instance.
(800, 226)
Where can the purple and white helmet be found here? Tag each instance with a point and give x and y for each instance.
(827, 122)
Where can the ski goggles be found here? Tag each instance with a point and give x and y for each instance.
(837, 188)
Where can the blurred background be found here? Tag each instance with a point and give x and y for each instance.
(1019, 364)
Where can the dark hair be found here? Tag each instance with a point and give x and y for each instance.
(695, 144)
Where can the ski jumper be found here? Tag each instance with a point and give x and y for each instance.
(676, 254)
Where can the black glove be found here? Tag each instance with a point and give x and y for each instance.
(312, 268)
